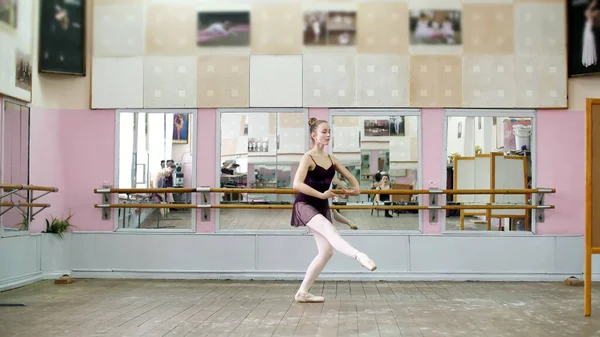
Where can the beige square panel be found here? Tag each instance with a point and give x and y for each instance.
(223, 81)
(346, 121)
(541, 81)
(488, 29)
(449, 82)
(553, 81)
(228, 146)
(423, 78)
(119, 30)
(292, 120)
(539, 29)
(276, 28)
(329, 80)
(118, 82)
(436, 80)
(170, 29)
(170, 82)
(382, 80)
(489, 81)
(382, 28)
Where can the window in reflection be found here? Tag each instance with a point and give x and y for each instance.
(15, 164)
(382, 152)
(155, 150)
(260, 149)
(489, 152)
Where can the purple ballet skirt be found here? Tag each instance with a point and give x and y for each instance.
(306, 206)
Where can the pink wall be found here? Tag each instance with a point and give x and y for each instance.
(67, 154)
(73, 150)
(432, 131)
(206, 162)
(47, 165)
(560, 146)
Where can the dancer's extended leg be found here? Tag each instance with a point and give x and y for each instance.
(321, 225)
(325, 251)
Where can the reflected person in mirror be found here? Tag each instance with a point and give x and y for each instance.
(311, 207)
(337, 216)
(161, 180)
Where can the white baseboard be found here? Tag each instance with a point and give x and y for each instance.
(55, 274)
(329, 276)
(20, 281)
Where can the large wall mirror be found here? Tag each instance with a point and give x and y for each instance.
(15, 165)
(259, 149)
(381, 149)
(489, 150)
(156, 149)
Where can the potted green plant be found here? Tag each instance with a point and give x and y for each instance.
(24, 224)
(58, 226)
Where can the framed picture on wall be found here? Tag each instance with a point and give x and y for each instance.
(62, 37)
(217, 29)
(440, 27)
(397, 126)
(334, 28)
(8, 15)
(583, 29)
(377, 127)
(181, 128)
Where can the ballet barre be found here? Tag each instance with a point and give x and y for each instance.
(336, 191)
(433, 193)
(13, 189)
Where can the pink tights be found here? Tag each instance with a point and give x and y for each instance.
(327, 238)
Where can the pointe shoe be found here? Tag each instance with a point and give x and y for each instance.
(353, 226)
(304, 297)
(365, 261)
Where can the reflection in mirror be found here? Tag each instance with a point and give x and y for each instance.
(260, 150)
(489, 152)
(382, 152)
(155, 150)
(15, 164)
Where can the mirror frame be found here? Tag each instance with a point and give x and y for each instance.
(194, 139)
(5, 99)
(389, 112)
(522, 113)
(217, 180)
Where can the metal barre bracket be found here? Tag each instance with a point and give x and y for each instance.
(105, 200)
(539, 212)
(433, 204)
(204, 202)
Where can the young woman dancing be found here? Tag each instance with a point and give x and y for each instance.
(311, 207)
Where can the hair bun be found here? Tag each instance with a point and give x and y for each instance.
(312, 121)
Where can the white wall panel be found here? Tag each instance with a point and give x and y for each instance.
(117, 82)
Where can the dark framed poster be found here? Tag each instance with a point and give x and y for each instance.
(62, 37)
(583, 29)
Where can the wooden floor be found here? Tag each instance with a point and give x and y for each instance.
(90, 308)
